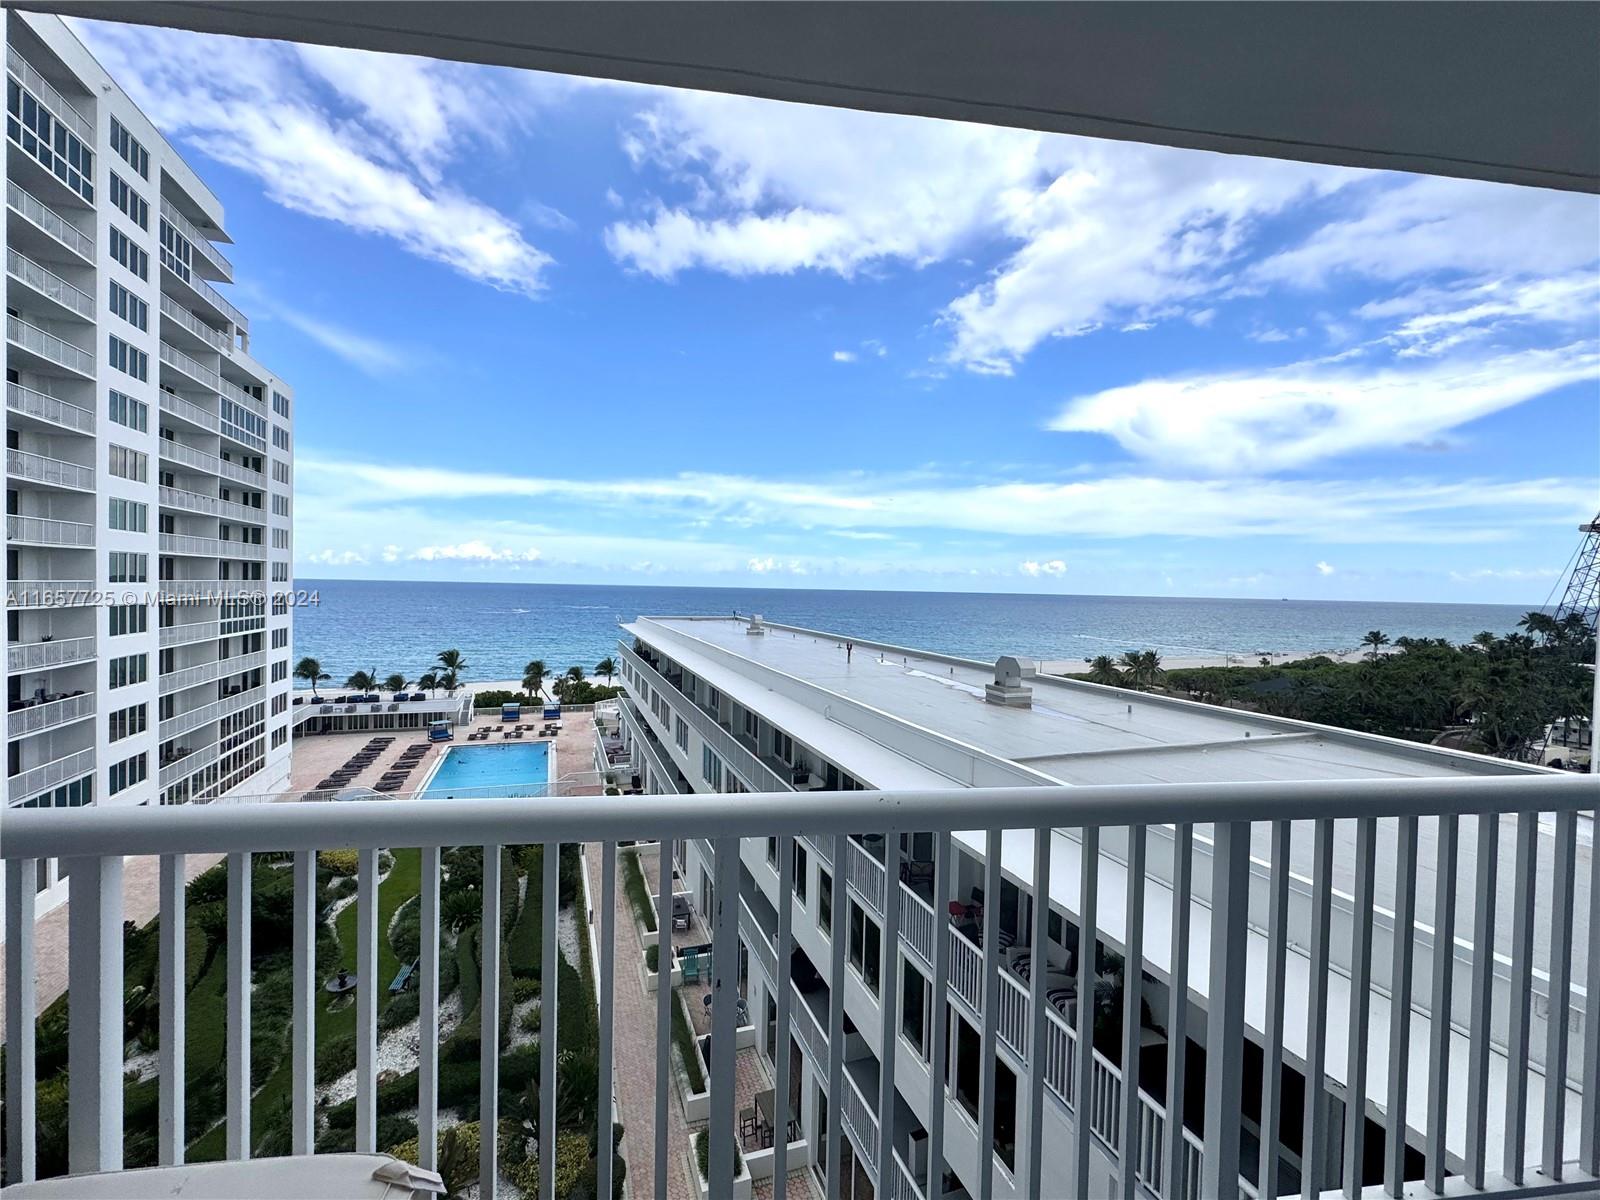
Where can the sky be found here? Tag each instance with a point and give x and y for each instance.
(557, 330)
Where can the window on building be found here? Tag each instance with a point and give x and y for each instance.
(125, 251)
(127, 618)
(129, 307)
(125, 774)
(129, 515)
(280, 403)
(128, 567)
(711, 768)
(801, 865)
(680, 733)
(128, 464)
(57, 148)
(126, 722)
(130, 202)
(129, 669)
(129, 359)
(866, 945)
(825, 900)
(916, 995)
(129, 147)
(125, 410)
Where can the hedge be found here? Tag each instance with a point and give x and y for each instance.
(638, 891)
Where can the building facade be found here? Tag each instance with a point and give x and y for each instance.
(727, 705)
(149, 464)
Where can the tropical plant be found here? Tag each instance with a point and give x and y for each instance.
(1377, 639)
(606, 666)
(575, 673)
(311, 671)
(428, 681)
(363, 681)
(396, 683)
(1103, 669)
(455, 666)
(533, 676)
(1142, 668)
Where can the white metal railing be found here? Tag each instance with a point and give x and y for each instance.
(902, 1185)
(36, 717)
(177, 313)
(25, 400)
(99, 838)
(49, 593)
(47, 283)
(198, 240)
(190, 546)
(49, 346)
(211, 296)
(865, 874)
(660, 767)
(37, 468)
(33, 656)
(190, 366)
(184, 635)
(188, 410)
(45, 531)
(239, 396)
(199, 460)
(186, 722)
(210, 506)
(188, 677)
(44, 217)
(60, 107)
(27, 784)
(185, 765)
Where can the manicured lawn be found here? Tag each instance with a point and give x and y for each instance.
(403, 881)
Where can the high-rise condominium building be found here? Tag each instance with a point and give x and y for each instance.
(149, 468)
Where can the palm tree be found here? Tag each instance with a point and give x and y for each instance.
(1484, 640)
(1150, 666)
(396, 683)
(363, 681)
(1540, 625)
(1377, 639)
(575, 673)
(1103, 669)
(428, 682)
(311, 670)
(607, 667)
(454, 666)
(533, 676)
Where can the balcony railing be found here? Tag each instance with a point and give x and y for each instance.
(45, 531)
(185, 765)
(60, 107)
(49, 346)
(198, 240)
(30, 403)
(199, 460)
(210, 506)
(211, 296)
(176, 312)
(49, 593)
(48, 284)
(25, 785)
(188, 410)
(188, 677)
(37, 717)
(1454, 1145)
(52, 472)
(187, 722)
(661, 768)
(196, 370)
(185, 635)
(41, 215)
(35, 656)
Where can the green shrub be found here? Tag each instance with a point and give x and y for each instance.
(702, 1155)
(458, 1083)
(519, 1068)
(340, 862)
(533, 1019)
(336, 1057)
(405, 931)
(652, 956)
(496, 697)
(683, 1039)
(460, 909)
(523, 990)
(638, 891)
(209, 886)
(344, 885)
(396, 1130)
(400, 1010)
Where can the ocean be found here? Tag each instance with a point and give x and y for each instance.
(401, 626)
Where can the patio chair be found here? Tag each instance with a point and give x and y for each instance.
(749, 1122)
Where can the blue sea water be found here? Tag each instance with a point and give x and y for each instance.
(511, 770)
(389, 626)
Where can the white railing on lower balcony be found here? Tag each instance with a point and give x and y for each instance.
(46, 531)
(25, 785)
(49, 346)
(48, 472)
(200, 241)
(662, 771)
(211, 506)
(186, 722)
(1452, 1145)
(183, 765)
(187, 410)
(48, 284)
(49, 593)
(211, 464)
(181, 316)
(30, 403)
(34, 717)
(184, 635)
(188, 677)
(47, 219)
(33, 656)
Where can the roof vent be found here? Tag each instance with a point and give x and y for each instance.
(1007, 688)
(755, 628)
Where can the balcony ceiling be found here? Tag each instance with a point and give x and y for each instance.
(1498, 91)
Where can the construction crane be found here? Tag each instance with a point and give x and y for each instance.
(1581, 597)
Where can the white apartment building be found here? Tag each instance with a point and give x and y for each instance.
(719, 705)
(149, 464)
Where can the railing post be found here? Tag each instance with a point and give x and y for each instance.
(889, 1009)
(1405, 907)
(664, 1002)
(607, 967)
(21, 997)
(489, 1029)
(1589, 1124)
(1083, 1049)
(1444, 947)
(238, 1031)
(1355, 1125)
(367, 1001)
(838, 936)
(94, 1015)
(1277, 962)
(428, 1012)
(1032, 1176)
(1132, 1010)
(724, 1003)
(938, 1023)
(1230, 902)
(1563, 868)
(784, 1000)
(1517, 1035)
(172, 996)
(993, 844)
(549, 1019)
(1177, 1150)
(1487, 856)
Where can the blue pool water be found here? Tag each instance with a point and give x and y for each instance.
(489, 771)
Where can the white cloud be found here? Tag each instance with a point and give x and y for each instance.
(1252, 422)
(474, 552)
(391, 553)
(1510, 573)
(371, 355)
(844, 356)
(1054, 567)
(774, 566)
(1324, 568)
(375, 167)
(1438, 320)
(337, 558)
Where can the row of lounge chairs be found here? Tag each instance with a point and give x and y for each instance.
(394, 779)
(357, 763)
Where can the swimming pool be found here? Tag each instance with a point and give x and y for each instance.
(490, 771)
